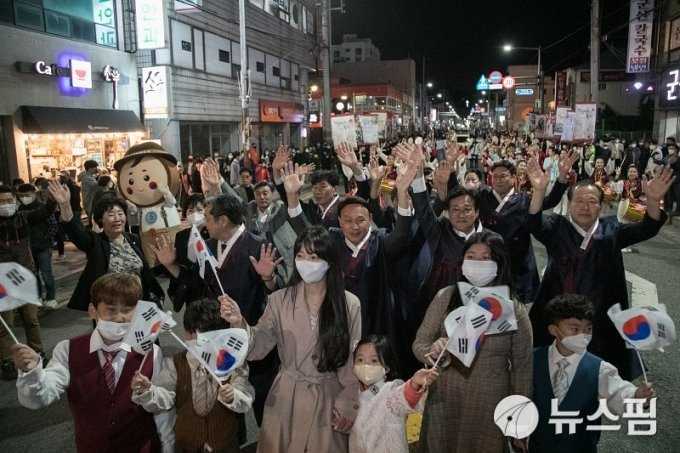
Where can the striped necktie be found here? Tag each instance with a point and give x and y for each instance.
(561, 381)
(109, 372)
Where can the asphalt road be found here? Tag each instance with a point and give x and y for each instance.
(51, 429)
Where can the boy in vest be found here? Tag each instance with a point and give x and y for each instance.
(207, 419)
(576, 378)
(95, 372)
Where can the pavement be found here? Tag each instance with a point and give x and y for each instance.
(657, 260)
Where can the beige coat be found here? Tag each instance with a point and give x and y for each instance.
(298, 410)
(459, 410)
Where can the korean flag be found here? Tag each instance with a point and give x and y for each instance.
(644, 328)
(147, 323)
(496, 300)
(222, 351)
(18, 286)
(466, 327)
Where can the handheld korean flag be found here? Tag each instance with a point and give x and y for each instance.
(198, 251)
(147, 323)
(222, 351)
(18, 286)
(495, 299)
(644, 328)
(467, 336)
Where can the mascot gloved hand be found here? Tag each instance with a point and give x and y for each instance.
(148, 178)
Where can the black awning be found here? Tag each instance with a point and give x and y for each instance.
(57, 120)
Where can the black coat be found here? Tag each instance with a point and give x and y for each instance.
(98, 250)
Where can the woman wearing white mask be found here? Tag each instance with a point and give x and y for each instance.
(460, 406)
(314, 324)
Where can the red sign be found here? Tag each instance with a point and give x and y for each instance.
(281, 112)
(495, 77)
(508, 82)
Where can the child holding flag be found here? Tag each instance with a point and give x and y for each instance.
(577, 379)
(95, 372)
(206, 412)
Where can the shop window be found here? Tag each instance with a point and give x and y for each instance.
(6, 11)
(223, 56)
(28, 16)
(259, 66)
(186, 45)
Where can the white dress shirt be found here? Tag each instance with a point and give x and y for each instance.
(357, 248)
(223, 248)
(587, 235)
(610, 385)
(41, 387)
(474, 230)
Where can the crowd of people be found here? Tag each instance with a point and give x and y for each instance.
(344, 290)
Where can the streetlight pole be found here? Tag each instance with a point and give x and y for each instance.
(539, 83)
(326, 64)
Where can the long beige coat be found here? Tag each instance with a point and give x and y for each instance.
(298, 410)
(458, 415)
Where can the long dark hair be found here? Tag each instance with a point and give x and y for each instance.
(333, 341)
(499, 254)
(385, 354)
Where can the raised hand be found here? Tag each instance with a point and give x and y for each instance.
(347, 156)
(659, 185)
(452, 152)
(293, 177)
(280, 160)
(566, 162)
(538, 178)
(376, 170)
(164, 251)
(60, 193)
(230, 311)
(210, 175)
(267, 263)
(442, 174)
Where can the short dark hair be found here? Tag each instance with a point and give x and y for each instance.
(17, 181)
(671, 138)
(384, 351)
(584, 183)
(504, 164)
(6, 189)
(103, 180)
(90, 164)
(567, 306)
(114, 288)
(41, 183)
(329, 176)
(104, 204)
(194, 199)
(23, 188)
(262, 184)
(203, 315)
(245, 170)
(227, 205)
(475, 171)
(460, 191)
(347, 201)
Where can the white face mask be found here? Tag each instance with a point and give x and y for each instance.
(480, 273)
(8, 210)
(369, 374)
(112, 331)
(27, 200)
(311, 271)
(197, 218)
(577, 343)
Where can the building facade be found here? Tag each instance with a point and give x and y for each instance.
(353, 49)
(667, 65)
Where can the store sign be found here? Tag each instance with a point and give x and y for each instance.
(81, 74)
(524, 92)
(669, 88)
(640, 36)
(281, 112)
(150, 16)
(112, 75)
(42, 68)
(155, 86)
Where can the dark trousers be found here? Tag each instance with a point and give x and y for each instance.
(43, 264)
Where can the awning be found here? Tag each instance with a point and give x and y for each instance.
(57, 120)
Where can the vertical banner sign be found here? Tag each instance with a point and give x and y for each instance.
(585, 116)
(640, 36)
(561, 93)
(344, 130)
(150, 16)
(155, 85)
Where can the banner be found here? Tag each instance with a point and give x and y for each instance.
(568, 127)
(640, 36)
(344, 130)
(382, 124)
(369, 129)
(585, 116)
(560, 117)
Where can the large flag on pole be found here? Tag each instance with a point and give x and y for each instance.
(466, 327)
(147, 323)
(496, 300)
(644, 328)
(222, 351)
(198, 251)
(18, 286)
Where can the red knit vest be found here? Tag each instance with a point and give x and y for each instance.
(106, 423)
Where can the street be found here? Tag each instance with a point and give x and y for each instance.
(51, 429)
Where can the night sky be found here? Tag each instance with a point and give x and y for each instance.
(461, 39)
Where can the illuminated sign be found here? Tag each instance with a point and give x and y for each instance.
(495, 77)
(524, 92)
(150, 16)
(669, 88)
(508, 82)
(482, 84)
(81, 74)
(155, 86)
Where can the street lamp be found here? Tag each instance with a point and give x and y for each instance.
(430, 84)
(507, 48)
(483, 93)
(439, 96)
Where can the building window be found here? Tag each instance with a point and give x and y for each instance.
(186, 45)
(276, 71)
(259, 66)
(29, 16)
(235, 69)
(223, 56)
(602, 86)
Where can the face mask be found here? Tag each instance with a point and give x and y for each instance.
(480, 273)
(27, 200)
(8, 210)
(472, 185)
(311, 271)
(197, 218)
(576, 343)
(113, 331)
(369, 374)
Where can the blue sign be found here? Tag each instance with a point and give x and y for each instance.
(482, 84)
(524, 92)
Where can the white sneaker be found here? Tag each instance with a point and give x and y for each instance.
(51, 304)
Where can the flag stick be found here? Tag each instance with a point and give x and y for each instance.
(200, 360)
(441, 354)
(139, 370)
(642, 365)
(217, 277)
(9, 331)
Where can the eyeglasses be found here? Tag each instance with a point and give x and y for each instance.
(465, 212)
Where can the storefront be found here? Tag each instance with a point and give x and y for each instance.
(667, 116)
(280, 123)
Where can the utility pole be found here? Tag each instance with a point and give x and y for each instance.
(539, 83)
(595, 52)
(244, 77)
(423, 93)
(326, 67)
